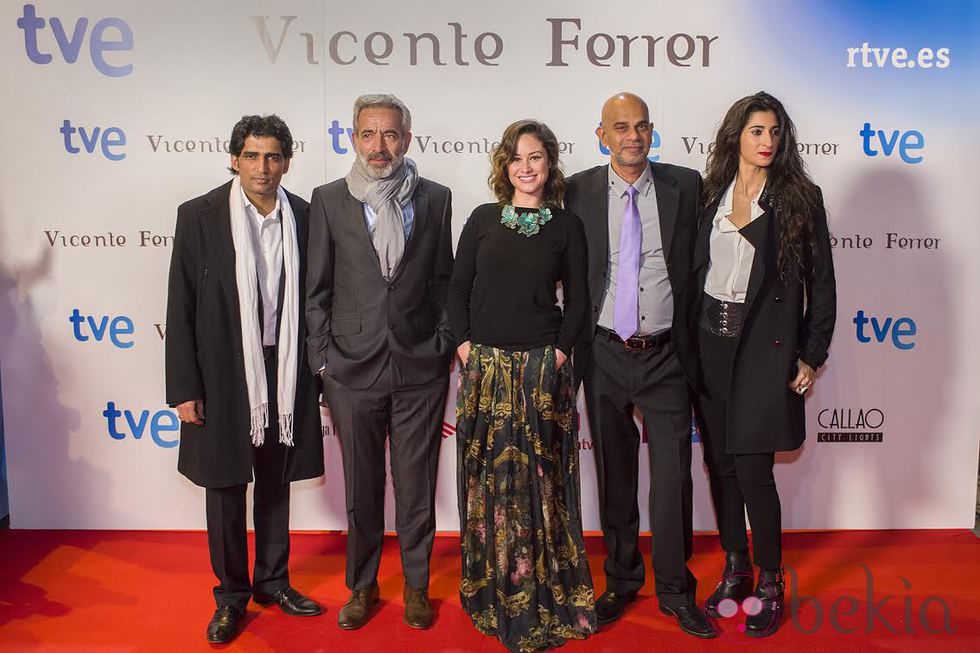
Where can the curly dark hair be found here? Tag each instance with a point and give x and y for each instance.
(789, 189)
(270, 125)
(499, 180)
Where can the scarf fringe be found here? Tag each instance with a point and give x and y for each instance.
(260, 420)
(286, 429)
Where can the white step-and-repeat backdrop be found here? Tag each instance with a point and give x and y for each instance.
(115, 112)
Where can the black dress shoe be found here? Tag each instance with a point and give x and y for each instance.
(291, 602)
(769, 591)
(736, 582)
(691, 620)
(224, 624)
(611, 606)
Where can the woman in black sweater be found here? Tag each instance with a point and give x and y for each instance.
(526, 575)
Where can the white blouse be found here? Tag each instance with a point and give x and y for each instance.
(731, 254)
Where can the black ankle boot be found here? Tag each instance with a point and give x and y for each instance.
(769, 591)
(736, 583)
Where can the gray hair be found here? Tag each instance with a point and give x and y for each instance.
(383, 101)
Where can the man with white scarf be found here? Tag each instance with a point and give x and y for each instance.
(380, 260)
(237, 369)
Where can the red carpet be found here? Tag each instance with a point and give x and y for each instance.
(150, 591)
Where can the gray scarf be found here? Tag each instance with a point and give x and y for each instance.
(386, 197)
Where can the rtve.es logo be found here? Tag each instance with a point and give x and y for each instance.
(866, 56)
(108, 35)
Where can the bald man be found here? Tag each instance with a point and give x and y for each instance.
(640, 220)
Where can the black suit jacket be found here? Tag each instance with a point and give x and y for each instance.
(356, 318)
(678, 193)
(204, 350)
(786, 320)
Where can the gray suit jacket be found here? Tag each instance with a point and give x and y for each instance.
(356, 319)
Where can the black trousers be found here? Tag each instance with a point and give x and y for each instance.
(739, 482)
(652, 381)
(227, 540)
(410, 418)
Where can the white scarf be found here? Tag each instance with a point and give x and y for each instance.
(248, 306)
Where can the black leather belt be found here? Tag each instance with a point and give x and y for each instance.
(720, 317)
(269, 352)
(634, 342)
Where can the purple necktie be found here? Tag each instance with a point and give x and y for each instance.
(628, 276)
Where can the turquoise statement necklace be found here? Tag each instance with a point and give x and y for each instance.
(526, 224)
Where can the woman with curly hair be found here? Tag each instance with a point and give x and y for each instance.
(525, 575)
(763, 259)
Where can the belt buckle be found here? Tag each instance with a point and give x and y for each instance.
(633, 343)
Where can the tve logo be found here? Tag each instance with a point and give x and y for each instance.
(654, 145)
(900, 331)
(111, 137)
(337, 140)
(98, 327)
(907, 142)
(134, 424)
(107, 35)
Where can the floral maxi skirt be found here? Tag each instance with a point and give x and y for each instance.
(525, 575)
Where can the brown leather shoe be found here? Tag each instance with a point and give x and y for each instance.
(357, 611)
(418, 610)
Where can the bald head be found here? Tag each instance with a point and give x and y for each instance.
(626, 132)
(621, 101)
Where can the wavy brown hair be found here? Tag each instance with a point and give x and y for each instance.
(789, 189)
(500, 158)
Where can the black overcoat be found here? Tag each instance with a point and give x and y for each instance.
(204, 350)
(786, 319)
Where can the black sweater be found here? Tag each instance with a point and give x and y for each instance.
(502, 292)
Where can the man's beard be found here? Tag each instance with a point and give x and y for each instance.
(629, 160)
(380, 173)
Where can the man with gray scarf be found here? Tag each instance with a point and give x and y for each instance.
(380, 257)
